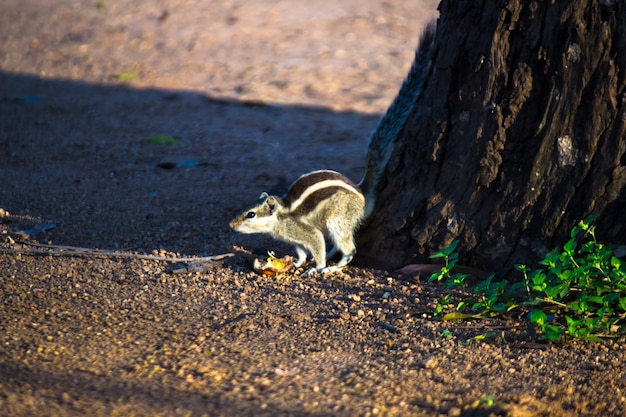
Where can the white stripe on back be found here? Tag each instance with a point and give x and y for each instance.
(321, 185)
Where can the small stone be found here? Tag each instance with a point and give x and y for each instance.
(431, 363)
(455, 412)
(66, 398)
(355, 297)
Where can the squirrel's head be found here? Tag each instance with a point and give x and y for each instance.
(261, 218)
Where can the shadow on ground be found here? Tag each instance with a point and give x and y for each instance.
(117, 167)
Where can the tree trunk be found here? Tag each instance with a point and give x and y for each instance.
(518, 135)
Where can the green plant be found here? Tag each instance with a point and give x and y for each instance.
(450, 258)
(579, 290)
(163, 140)
(488, 400)
(446, 334)
(483, 336)
(126, 77)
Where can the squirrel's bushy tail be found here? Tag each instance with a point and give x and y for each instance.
(390, 125)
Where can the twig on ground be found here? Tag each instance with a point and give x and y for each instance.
(57, 250)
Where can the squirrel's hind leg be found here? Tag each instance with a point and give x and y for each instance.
(317, 246)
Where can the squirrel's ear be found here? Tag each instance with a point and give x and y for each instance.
(263, 195)
(271, 203)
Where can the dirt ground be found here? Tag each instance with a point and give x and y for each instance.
(145, 127)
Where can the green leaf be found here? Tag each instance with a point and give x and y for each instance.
(578, 306)
(163, 140)
(610, 298)
(588, 247)
(538, 318)
(483, 336)
(459, 279)
(552, 332)
(438, 309)
(557, 292)
(570, 247)
(435, 276)
(125, 77)
(460, 305)
(483, 286)
(452, 246)
(593, 338)
(588, 220)
(438, 254)
(446, 334)
(479, 305)
(616, 263)
(488, 400)
(512, 307)
(595, 299)
(446, 252)
(551, 259)
(456, 315)
(538, 280)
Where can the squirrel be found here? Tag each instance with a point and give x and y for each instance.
(325, 204)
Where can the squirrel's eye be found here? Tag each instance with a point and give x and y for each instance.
(250, 214)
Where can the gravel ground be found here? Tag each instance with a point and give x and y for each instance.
(145, 127)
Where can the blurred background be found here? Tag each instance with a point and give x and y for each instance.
(341, 54)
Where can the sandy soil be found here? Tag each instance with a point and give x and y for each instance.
(144, 127)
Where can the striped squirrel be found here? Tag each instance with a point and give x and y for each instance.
(325, 204)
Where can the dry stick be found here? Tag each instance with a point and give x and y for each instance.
(77, 251)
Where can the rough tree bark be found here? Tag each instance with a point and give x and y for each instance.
(518, 135)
